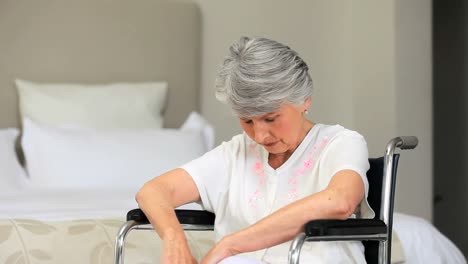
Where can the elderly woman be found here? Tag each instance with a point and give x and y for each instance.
(266, 183)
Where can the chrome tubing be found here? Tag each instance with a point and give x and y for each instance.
(295, 248)
(120, 240)
(404, 142)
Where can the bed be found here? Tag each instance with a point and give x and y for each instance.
(96, 97)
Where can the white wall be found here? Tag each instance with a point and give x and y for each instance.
(370, 62)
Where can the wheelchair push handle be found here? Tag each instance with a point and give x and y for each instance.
(403, 142)
(408, 142)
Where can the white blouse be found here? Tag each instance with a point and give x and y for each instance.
(236, 183)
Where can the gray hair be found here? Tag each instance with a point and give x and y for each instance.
(259, 75)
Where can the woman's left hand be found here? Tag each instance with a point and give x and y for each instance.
(220, 251)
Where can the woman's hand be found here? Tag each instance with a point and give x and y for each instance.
(220, 251)
(176, 251)
(158, 198)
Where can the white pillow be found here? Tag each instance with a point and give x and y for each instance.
(129, 105)
(196, 122)
(12, 174)
(78, 158)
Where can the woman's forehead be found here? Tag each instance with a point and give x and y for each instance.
(258, 116)
(285, 107)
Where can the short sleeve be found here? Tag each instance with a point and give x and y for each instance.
(348, 151)
(209, 172)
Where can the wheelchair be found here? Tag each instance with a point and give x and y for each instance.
(375, 234)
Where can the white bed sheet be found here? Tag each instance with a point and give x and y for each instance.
(57, 205)
(423, 243)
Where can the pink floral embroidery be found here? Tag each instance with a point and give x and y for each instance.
(293, 180)
(299, 171)
(307, 165)
(258, 169)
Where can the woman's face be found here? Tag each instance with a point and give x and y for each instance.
(279, 131)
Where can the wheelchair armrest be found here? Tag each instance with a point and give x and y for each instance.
(138, 216)
(191, 217)
(195, 217)
(348, 227)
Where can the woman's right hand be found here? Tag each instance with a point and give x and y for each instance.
(176, 251)
(158, 198)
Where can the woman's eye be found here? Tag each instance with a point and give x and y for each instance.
(248, 121)
(269, 120)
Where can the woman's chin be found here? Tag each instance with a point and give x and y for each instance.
(275, 148)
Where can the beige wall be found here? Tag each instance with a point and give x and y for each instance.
(312, 28)
(370, 61)
(414, 103)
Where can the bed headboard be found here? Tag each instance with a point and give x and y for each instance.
(103, 41)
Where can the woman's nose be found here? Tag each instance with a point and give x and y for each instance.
(261, 132)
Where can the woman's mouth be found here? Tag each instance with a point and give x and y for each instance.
(270, 144)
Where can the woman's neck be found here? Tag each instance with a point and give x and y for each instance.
(276, 160)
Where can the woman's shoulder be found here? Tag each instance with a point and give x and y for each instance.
(241, 138)
(337, 133)
(238, 148)
(336, 130)
(337, 140)
(237, 142)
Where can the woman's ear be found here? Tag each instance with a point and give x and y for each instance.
(308, 102)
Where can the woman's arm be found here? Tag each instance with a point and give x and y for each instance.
(158, 198)
(338, 201)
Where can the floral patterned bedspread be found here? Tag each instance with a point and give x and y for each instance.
(25, 241)
(82, 241)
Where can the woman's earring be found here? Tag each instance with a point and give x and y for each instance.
(306, 112)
